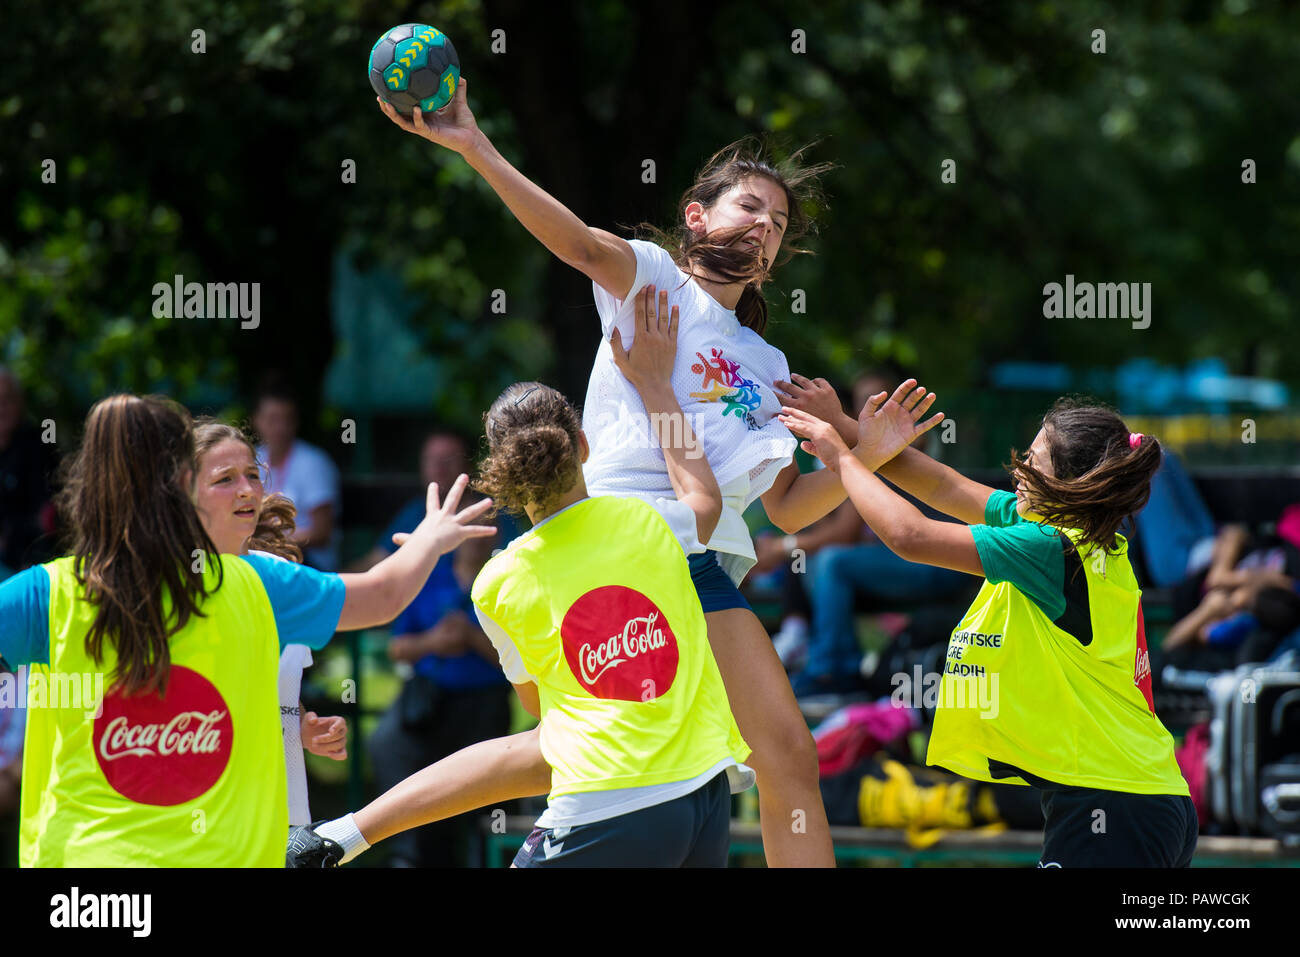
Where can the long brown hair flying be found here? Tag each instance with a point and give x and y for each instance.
(716, 251)
(1101, 477)
(134, 533)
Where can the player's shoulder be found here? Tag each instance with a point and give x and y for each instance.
(656, 260)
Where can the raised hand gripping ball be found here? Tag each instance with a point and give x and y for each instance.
(414, 65)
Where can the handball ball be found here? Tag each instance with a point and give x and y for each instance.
(414, 65)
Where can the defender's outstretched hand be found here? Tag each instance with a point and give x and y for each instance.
(819, 398)
(450, 527)
(654, 348)
(886, 426)
(453, 126)
(821, 438)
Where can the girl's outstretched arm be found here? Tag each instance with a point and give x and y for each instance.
(606, 259)
(943, 488)
(483, 774)
(938, 486)
(897, 522)
(888, 424)
(377, 596)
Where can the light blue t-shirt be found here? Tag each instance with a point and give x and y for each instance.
(306, 604)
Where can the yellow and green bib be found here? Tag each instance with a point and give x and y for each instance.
(195, 778)
(1065, 706)
(598, 600)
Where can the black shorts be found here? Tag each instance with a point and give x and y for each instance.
(1086, 827)
(693, 830)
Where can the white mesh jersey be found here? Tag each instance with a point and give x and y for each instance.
(723, 379)
(293, 660)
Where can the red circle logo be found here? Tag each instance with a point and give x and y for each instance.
(619, 645)
(165, 750)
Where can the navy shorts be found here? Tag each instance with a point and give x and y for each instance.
(693, 830)
(714, 586)
(1086, 827)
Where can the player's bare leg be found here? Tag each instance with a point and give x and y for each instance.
(490, 772)
(791, 814)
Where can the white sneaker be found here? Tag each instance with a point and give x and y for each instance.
(791, 643)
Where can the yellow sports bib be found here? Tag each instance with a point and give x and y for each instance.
(195, 778)
(1019, 690)
(599, 602)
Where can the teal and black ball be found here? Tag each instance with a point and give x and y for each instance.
(414, 65)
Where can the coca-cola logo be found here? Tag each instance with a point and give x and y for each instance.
(165, 750)
(619, 644)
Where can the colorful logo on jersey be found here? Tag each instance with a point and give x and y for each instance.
(723, 383)
(165, 750)
(619, 645)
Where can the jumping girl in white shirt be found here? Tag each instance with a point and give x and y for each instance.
(736, 218)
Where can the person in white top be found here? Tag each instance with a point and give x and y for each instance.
(741, 213)
(239, 519)
(303, 473)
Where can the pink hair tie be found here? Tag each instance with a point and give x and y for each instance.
(1134, 439)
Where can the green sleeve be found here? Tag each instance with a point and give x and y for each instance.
(1029, 556)
(1000, 510)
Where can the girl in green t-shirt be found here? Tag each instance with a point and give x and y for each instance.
(1047, 677)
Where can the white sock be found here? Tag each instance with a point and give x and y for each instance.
(343, 831)
(795, 625)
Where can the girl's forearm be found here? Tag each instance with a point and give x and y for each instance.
(689, 471)
(549, 220)
(891, 517)
(483, 774)
(809, 497)
(938, 486)
(376, 597)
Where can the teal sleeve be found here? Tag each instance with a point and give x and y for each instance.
(25, 618)
(1000, 510)
(1029, 556)
(306, 603)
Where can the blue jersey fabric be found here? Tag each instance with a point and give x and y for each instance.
(441, 594)
(306, 604)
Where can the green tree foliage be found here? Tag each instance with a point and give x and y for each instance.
(227, 166)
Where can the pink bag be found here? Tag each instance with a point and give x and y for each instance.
(1191, 761)
(858, 730)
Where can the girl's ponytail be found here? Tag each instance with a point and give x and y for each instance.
(533, 451)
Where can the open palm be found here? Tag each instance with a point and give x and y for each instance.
(886, 426)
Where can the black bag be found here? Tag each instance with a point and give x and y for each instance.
(418, 703)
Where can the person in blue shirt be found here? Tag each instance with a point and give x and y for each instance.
(456, 695)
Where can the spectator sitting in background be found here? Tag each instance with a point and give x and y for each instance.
(1250, 601)
(25, 466)
(302, 473)
(843, 564)
(457, 695)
